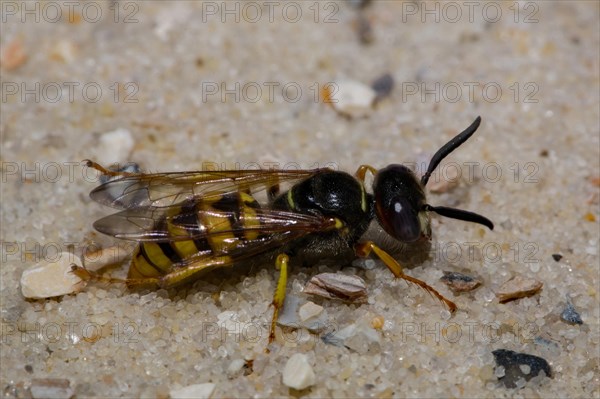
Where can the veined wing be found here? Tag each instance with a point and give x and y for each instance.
(184, 223)
(167, 189)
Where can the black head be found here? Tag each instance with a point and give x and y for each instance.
(400, 203)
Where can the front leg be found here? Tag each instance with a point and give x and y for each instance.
(364, 249)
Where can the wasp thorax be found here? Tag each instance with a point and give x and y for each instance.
(399, 200)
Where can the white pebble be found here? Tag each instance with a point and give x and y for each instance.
(114, 146)
(352, 98)
(499, 371)
(298, 373)
(51, 278)
(193, 391)
(235, 367)
(309, 310)
(525, 368)
(51, 388)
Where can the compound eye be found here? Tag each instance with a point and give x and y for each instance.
(400, 220)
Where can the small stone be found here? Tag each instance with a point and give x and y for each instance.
(383, 86)
(309, 310)
(351, 98)
(331, 338)
(51, 388)
(52, 278)
(290, 316)
(193, 391)
(13, 55)
(525, 368)
(364, 29)
(235, 367)
(518, 366)
(589, 216)
(298, 373)
(557, 257)
(459, 282)
(377, 322)
(114, 146)
(518, 287)
(570, 315)
(337, 286)
(64, 51)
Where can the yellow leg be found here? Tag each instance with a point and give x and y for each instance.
(106, 172)
(169, 280)
(87, 275)
(364, 249)
(282, 265)
(362, 172)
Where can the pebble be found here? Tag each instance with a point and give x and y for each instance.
(309, 310)
(383, 86)
(13, 55)
(355, 337)
(64, 51)
(51, 388)
(235, 367)
(512, 367)
(349, 288)
(459, 282)
(570, 315)
(351, 98)
(518, 287)
(48, 279)
(557, 257)
(193, 391)
(114, 146)
(298, 373)
(364, 29)
(290, 315)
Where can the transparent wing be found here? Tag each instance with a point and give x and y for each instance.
(174, 224)
(166, 189)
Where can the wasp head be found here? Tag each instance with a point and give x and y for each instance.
(400, 204)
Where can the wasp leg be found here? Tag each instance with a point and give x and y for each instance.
(87, 275)
(107, 172)
(282, 265)
(364, 249)
(362, 170)
(192, 271)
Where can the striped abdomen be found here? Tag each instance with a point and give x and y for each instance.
(223, 223)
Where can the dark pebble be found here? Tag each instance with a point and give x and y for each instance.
(512, 372)
(383, 86)
(557, 257)
(331, 339)
(570, 315)
(459, 282)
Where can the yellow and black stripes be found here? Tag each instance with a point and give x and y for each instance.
(223, 224)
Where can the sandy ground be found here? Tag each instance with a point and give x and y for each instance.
(234, 84)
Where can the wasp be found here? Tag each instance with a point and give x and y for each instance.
(189, 223)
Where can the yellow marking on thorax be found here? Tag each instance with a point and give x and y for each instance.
(363, 198)
(290, 200)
